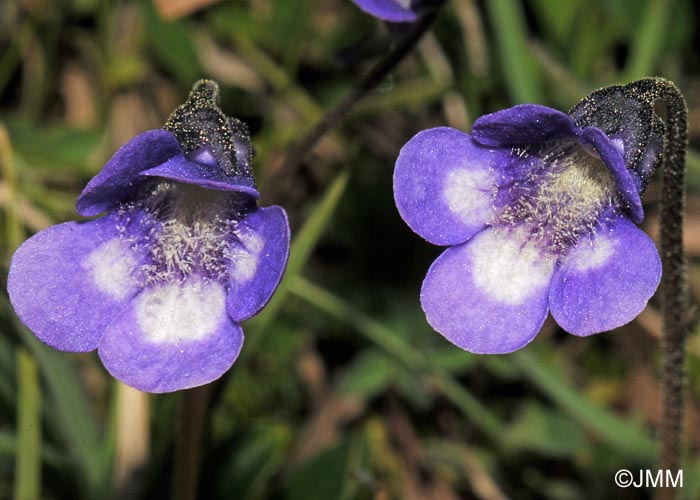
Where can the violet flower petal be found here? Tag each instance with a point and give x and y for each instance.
(172, 336)
(187, 171)
(118, 178)
(612, 158)
(605, 280)
(489, 295)
(388, 10)
(444, 185)
(68, 282)
(259, 257)
(523, 124)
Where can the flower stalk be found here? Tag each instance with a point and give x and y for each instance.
(192, 422)
(674, 288)
(335, 115)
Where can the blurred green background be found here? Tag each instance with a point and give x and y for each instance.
(342, 390)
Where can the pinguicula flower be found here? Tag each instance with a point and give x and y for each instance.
(181, 255)
(539, 211)
(395, 11)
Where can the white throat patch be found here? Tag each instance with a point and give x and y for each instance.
(245, 256)
(112, 266)
(181, 312)
(507, 268)
(469, 195)
(592, 254)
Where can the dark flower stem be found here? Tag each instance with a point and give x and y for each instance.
(186, 467)
(674, 289)
(338, 113)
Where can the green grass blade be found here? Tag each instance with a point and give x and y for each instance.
(293, 23)
(405, 94)
(50, 455)
(278, 78)
(648, 40)
(28, 454)
(172, 44)
(397, 347)
(74, 420)
(624, 436)
(520, 71)
(8, 368)
(302, 246)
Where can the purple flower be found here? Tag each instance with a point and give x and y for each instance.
(538, 209)
(160, 283)
(395, 11)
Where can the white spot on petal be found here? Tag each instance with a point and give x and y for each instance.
(181, 312)
(469, 195)
(508, 268)
(245, 256)
(111, 266)
(406, 4)
(592, 254)
(619, 145)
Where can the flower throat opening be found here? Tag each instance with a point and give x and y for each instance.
(185, 230)
(561, 198)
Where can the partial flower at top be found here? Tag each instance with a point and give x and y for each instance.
(538, 209)
(160, 283)
(395, 11)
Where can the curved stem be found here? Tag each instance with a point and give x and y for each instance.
(186, 468)
(337, 113)
(674, 286)
(674, 290)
